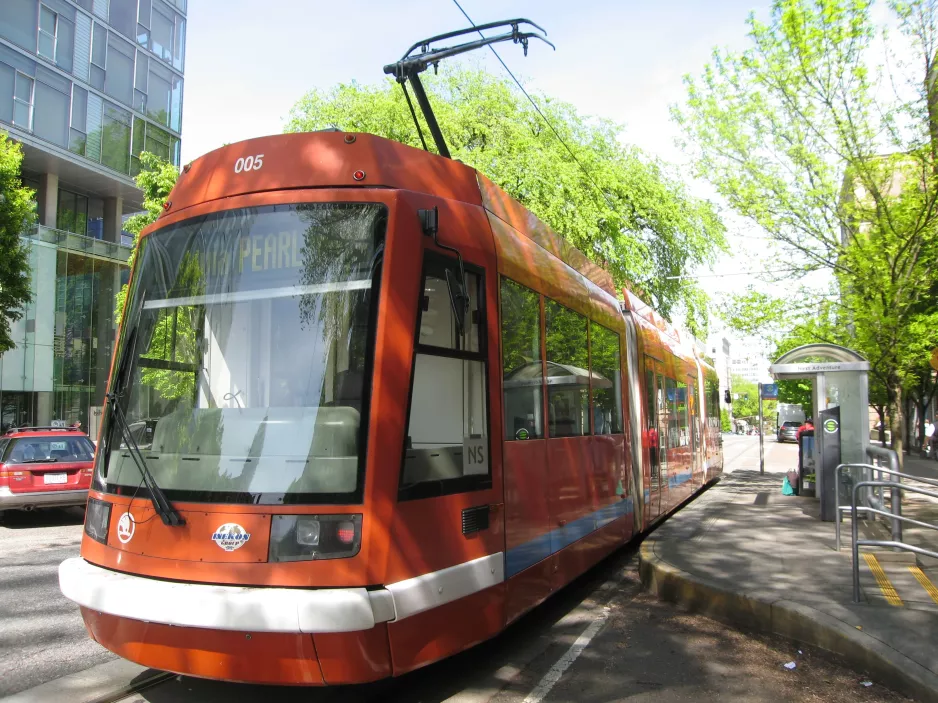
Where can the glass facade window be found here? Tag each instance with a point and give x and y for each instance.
(23, 101)
(51, 118)
(65, 44)
(7, 83)
(47, 21)
(58, 369)
(98, 56)
(159, 94)
(143, 23)
(162, 28)
(18, 23)
(115, 139)
(119, 80)
(72, 213)
(79, 121)
(122, 16)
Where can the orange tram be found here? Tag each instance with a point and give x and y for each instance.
(365, 411)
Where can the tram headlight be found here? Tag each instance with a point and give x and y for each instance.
(307, 531)
(97, 519)
(307, 537)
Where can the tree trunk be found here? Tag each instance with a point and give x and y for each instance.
(896, 417)
(881, 411)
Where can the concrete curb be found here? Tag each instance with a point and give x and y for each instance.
(789, 619)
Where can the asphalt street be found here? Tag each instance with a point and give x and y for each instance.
(42, 635)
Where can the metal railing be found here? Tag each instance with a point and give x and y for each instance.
(867, 496)
(896, 487)
(79, 243)
(872, 499)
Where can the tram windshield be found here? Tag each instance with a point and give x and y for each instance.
(245, 356)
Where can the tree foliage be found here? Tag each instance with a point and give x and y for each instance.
(156, 179)
(17, 213)
(834, 157)
(746, 401)
(631, 214)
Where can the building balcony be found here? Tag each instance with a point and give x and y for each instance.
(80, 244)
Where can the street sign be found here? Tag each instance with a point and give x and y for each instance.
(769, 391)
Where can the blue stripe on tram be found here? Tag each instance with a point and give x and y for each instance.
(519, 558)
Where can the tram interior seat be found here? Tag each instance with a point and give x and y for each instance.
(275, 438)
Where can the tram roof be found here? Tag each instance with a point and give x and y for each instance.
(336, 159)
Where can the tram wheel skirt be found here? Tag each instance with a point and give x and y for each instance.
(246, 657)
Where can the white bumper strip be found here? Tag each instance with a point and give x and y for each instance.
(253, 609)
(244, 609)
(439, 587)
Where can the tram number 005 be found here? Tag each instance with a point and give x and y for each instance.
(249, 163)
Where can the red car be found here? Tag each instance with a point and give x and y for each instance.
(45, 467)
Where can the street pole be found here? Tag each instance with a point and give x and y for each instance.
(761, 438)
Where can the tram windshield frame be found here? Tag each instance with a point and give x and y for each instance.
(246, 356)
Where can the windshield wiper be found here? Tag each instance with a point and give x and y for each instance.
(50, 460)
(167, 512)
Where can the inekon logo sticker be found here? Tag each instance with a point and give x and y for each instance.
(830, 426)
(230, 536)
(125, 528)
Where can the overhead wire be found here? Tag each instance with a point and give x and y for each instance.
(585, 171)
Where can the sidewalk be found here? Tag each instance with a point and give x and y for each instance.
(745, 553)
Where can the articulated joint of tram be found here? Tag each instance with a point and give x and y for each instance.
(271, 609)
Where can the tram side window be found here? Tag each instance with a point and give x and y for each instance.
(683, 438)
(671, 399)
(606, 380)
(447, 441)
(437, 323)
(567, 371)
(651, 431)
(521, 361)
(713, 404)
(662, 416)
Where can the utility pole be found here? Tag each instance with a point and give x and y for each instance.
(761, 438)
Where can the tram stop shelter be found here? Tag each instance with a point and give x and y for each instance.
(840, 401)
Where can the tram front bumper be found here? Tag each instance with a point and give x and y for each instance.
(237, 608)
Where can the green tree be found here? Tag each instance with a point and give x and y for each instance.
(798, 134)
(725, 425)
(642, 226)
(746, 401)
(156, 179)
(17, 213)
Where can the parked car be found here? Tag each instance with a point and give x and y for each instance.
(45, 467)
(788, 431)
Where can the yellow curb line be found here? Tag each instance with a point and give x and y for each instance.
(925, 582)
(884, 584)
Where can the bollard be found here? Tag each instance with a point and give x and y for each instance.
(895, 496)
(856, 548)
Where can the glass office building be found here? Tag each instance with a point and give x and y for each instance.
(85, 87)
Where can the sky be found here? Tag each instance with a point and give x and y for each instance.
(248, 62)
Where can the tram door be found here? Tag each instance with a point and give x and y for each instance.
(448, 513)
(656, 436)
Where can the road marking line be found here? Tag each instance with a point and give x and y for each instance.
(561, 665)
(925, 582)
(884, 584)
